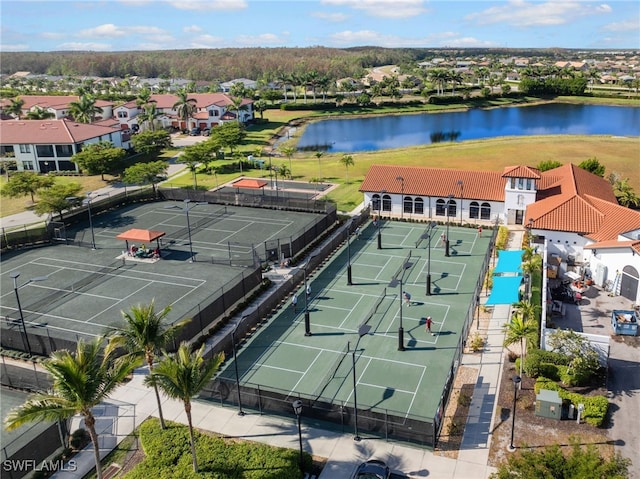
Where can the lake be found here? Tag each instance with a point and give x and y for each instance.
(397, 131)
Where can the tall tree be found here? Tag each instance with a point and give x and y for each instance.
(15, 107)
(182, 376)
(151, 143)
(56, 198)
(347, 161)
(148, 116)
(81, 381)
(228, 135)
(39, 114)
(594, 166)
(625, 194)
(185, 107)
(23, 183)
(100, 158)
(144, 334)
(288, 150)
(519, 330)
(84, 110)
(146, 173)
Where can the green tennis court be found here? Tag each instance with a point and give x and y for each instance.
(320, 367)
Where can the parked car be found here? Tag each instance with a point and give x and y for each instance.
(372, 469)
(194, 131)
(206, 132)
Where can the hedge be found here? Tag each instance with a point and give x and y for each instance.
(168, 456)
(595, 407)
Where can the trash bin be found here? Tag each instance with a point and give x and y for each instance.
(572, 410)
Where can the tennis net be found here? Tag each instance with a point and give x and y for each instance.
(331, 374)
(374, 309)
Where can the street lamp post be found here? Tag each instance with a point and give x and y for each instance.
(14, 275)
(516, 381)
(297, 408)
(432, 225)
(363, 329)
(401, 180)
(380, 220)
(235, 364)
(446, 240)
(461, 184)
(87, 201)
(393, 283)
(270, 170)
(349, 278)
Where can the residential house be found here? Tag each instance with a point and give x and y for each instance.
(57, 105)
(48, 145)
(574, 211)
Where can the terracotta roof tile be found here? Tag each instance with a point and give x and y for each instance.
(480, 185)
(521, 172)
(48, 132)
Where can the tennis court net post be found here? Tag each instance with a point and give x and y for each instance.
(331, 374)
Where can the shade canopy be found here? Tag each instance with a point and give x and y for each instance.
(250, 183)
(509, 262)
(505, 290)
(141, 236)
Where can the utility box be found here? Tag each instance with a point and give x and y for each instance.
(548, 404)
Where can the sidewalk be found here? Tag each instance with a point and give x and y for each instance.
(132, 403)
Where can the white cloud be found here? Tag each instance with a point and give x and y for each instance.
(350, 38)
(468, 42)
(331, 17)
(383, 8)
(192, 29)
(265, 39)
(626, 26)
(205, 41)
(18, 47)
(110, 30)
(89, 46)
(520, 13)
(210, 5)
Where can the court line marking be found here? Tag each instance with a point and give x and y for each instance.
(305, 372)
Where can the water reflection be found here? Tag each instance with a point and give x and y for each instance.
(396, 131)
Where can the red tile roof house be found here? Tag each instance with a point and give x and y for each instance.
(48, 145)
(58, 105)
(575, 211)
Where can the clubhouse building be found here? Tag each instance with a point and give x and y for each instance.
(574, 210)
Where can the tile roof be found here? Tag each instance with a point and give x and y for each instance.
(203, 100)
(521, 172)
(480, 185)
(52, 101)
(35, 132)
(572, 199)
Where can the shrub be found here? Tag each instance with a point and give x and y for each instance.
(595, 407)
(537, 360)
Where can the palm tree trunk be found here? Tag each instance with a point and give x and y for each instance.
(90, 422)
(155, 389)
(187, 409)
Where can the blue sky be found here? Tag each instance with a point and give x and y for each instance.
(120, 25)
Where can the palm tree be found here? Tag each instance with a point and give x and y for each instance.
(518, 330)
(182, 376)
(347, 161)
(81, 381)
(625, 194)
(84, 110)
(39, 114)
(145, 333)
(185, 106)
(318, 156)
(236, 103)
(149, 114)
(15, 107)
(288, 151)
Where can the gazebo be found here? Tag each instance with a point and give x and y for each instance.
(250, 183)
(141, 236)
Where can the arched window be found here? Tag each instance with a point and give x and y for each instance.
(485, 211)
(474, 210)
(418, 206)
(440, 208)
(375, 202)
(407, 204)
(453, 208)
(386, 203)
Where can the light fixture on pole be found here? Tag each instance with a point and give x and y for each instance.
(307, 322)
(446, 240)
(392, 284)
(428, 236)
(363, 329)
(380, 219)
(270, 170)
(516, 381)
(14, 275)
(401, 180)
(461, 184)
(87, 201)
(235, 364)
(297, 408)
(349, 278)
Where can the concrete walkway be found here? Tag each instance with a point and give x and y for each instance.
(132, 403)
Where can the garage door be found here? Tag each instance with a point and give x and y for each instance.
(629, 283)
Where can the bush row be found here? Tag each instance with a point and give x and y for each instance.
(595, 407)
(168, 455)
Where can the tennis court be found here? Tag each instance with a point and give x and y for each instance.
(320, 368)
(69, 292)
